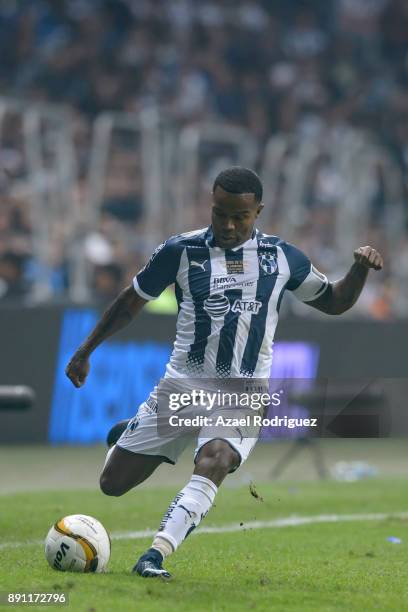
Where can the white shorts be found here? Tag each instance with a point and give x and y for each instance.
(141, 436)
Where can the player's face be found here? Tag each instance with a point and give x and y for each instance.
(233, 217)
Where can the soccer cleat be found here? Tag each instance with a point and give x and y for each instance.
(116, 431)
(150, 565)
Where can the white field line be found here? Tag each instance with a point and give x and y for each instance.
(290, 521)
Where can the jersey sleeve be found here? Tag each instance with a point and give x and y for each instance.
(305, 282)
(159, 272)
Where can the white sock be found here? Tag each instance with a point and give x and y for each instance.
(185, 513)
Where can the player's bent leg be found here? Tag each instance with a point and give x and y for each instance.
(124, 470)
(214, 461)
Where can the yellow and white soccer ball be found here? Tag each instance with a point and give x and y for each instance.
(78, 543)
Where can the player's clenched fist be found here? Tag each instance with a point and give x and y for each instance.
(78, 369)
(369, 257)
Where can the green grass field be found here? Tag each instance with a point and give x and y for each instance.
(319, 566)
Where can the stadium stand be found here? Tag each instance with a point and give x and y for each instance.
(116, 115)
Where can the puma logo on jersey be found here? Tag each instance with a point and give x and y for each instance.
(197, 264)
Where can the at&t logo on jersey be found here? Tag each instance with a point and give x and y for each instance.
(218, 305)
(268, 263)
(252, 306)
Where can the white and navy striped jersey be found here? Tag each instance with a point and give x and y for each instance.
(228, 299)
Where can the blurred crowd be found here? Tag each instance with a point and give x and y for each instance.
(271, 66)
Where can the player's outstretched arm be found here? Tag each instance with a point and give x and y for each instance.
(118, 315)
(344, 293)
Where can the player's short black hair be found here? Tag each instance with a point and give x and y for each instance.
(240, 180)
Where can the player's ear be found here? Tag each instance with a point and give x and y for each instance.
(259, 209)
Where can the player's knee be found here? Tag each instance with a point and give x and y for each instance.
(109, 486)
(217, 456)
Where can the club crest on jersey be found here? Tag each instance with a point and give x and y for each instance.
(268, 263)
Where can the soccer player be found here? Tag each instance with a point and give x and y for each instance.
(229, 279)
